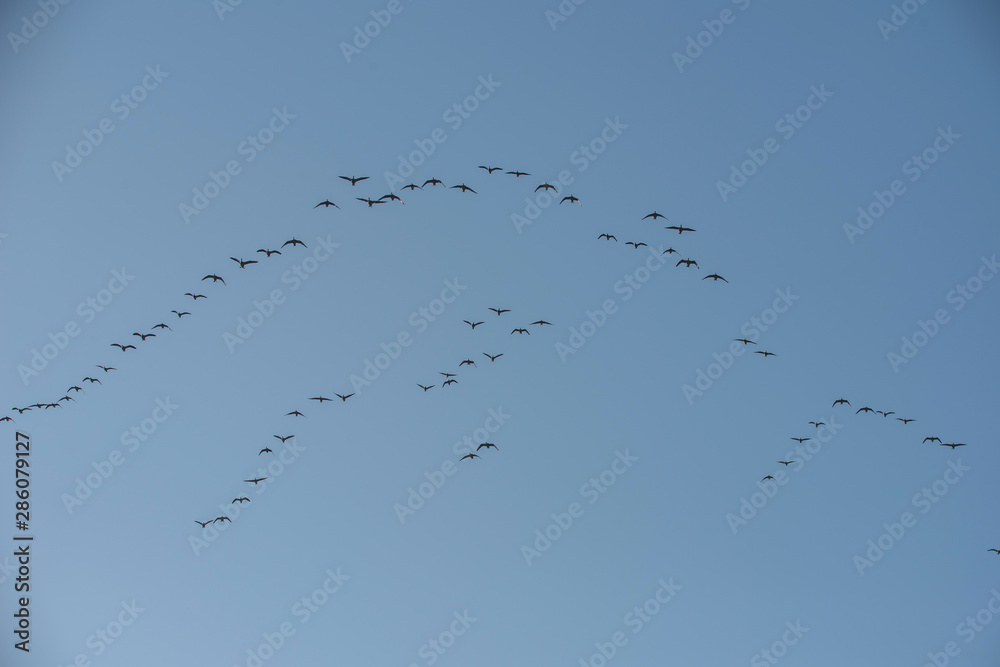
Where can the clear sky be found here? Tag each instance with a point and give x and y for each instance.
(838, 165)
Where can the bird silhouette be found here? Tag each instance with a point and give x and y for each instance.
(240, 500)
(223, 518)
(295, 413)
(195, 296)
(284, 437)
(203, 523)
(448, 382)
(255, 480)
(355, 180)
(500, 310)
(542, 322)
(817, 424)
(766, 477)
(546, 186)
(864, 409)
(267, 450)
(765, 354)
(470, 456)
(412, 186)
(161, 325)
(801, 440)
(654, 215)
(370, 202)
(490, 170)
(342, 397)
(432, 181)
(7, 418)
(669, 251)
(744, 341)
(487, 445)
(391, 197)
(715, 277)
(841, 400)
(520, 331)
(571, 199)
(680, 229)
(448, 375)
(271, 252)
(609, 237)
(932, 438)
(320, 398)
(493, 357)
(953, 445)
(518, 174)
(106, 368)
(180, 314)
(294, 242)
(123, 347)
(90, 380)
(425, 388)
(468, 362)
(786, 463)
(145, 336)
(634, 244)
(997, 551)
(472, 324)
(327, 203)
(215, 278)
(885, 414)
(464, 188)
(687, 263)
(243, 262)
(905, 421)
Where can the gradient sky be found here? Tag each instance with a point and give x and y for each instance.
(665, 127)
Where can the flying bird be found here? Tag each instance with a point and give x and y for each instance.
(21, 411)
(493, 357)
(634, 244)
(472, 324)
(542, 322)
(715, 277)
(123, 347)
(669, 251)
(432, 181)
(272, 252)
(195, 296)
(545, 186)
(464, 188)
(295, 413)
(654, 215)
(448, 375)
(240, 500)
(8, 418)
(995, 550)
(905, 421)
(425, 388)
(215, 278)
(953, 445)
(518, 174)
(161, 325)
(680, 228)
(571, 199)
(609, 237)
(744, 341)
(786, 463)
(885, 414)
(203, 523)
(284, 437)
(932, 438)
(490, 170)
(180, 314)
(87, 379)
(520, 331)
(687, 263)
(766, 477)
(105, 368)
(765, 354)
(355, 180)
(448, 382)
(801, 440)
(145, 336)
(294, 241)
(470, 456)
(487, 445)
(817, 424)
(342, 397)
(865, 409)
(468, 362)
(255, 480)
(370, 202)
(327, 203)
(391, 197)
(411, 186)
(841, 400)
(266, 449)
(500, 310)
(243, 262)
(320, 398)
(223, 518)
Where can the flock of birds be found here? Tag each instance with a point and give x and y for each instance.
(449, 377)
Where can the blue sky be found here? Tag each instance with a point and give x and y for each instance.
(838, 165)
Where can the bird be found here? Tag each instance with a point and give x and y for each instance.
(493, 357)
(680, 228)
(432, 181)
(223, 518)
(520, 331)
(243, 262)
(425, 388)
(145, 336)
(542, 322)
(885, 414)
(634, 244)
(295, 413)
(391, 197)
(327, 203)
(545, 186)
(448, 382)
(370, 202)
(266, 449)
(487, 445)
(715, 277)
(841, 400)
(180, 314)
(472, 324)
(320, 398)
(202, 523)
(490, 170)
(342, 397)
(67, 397)
(240, 500)
(411, 186)
(744, 341)
(500, 310)
(468, 362)
(464, 188)
(609, 237)
(654, 215)
(817, 424)
(801, 440)
(953, 445)
(87, 379)
(669, 251)
(932, 438)
(215, 278)
(123, 347)
(905, 421)
(105, 369)
(766, 477)
(687, 263)
(571, 199)
(271, 252)
(996, 550)
(161, 325)
(765, 354)
(284, 437)
(355, 180)
(255, 480)
(470, 456)
(195, 296)
(448, 375)
(21, 411)
(294, 241)
(8, 418)
(786, 463)
(864, 409)
(518, 174)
